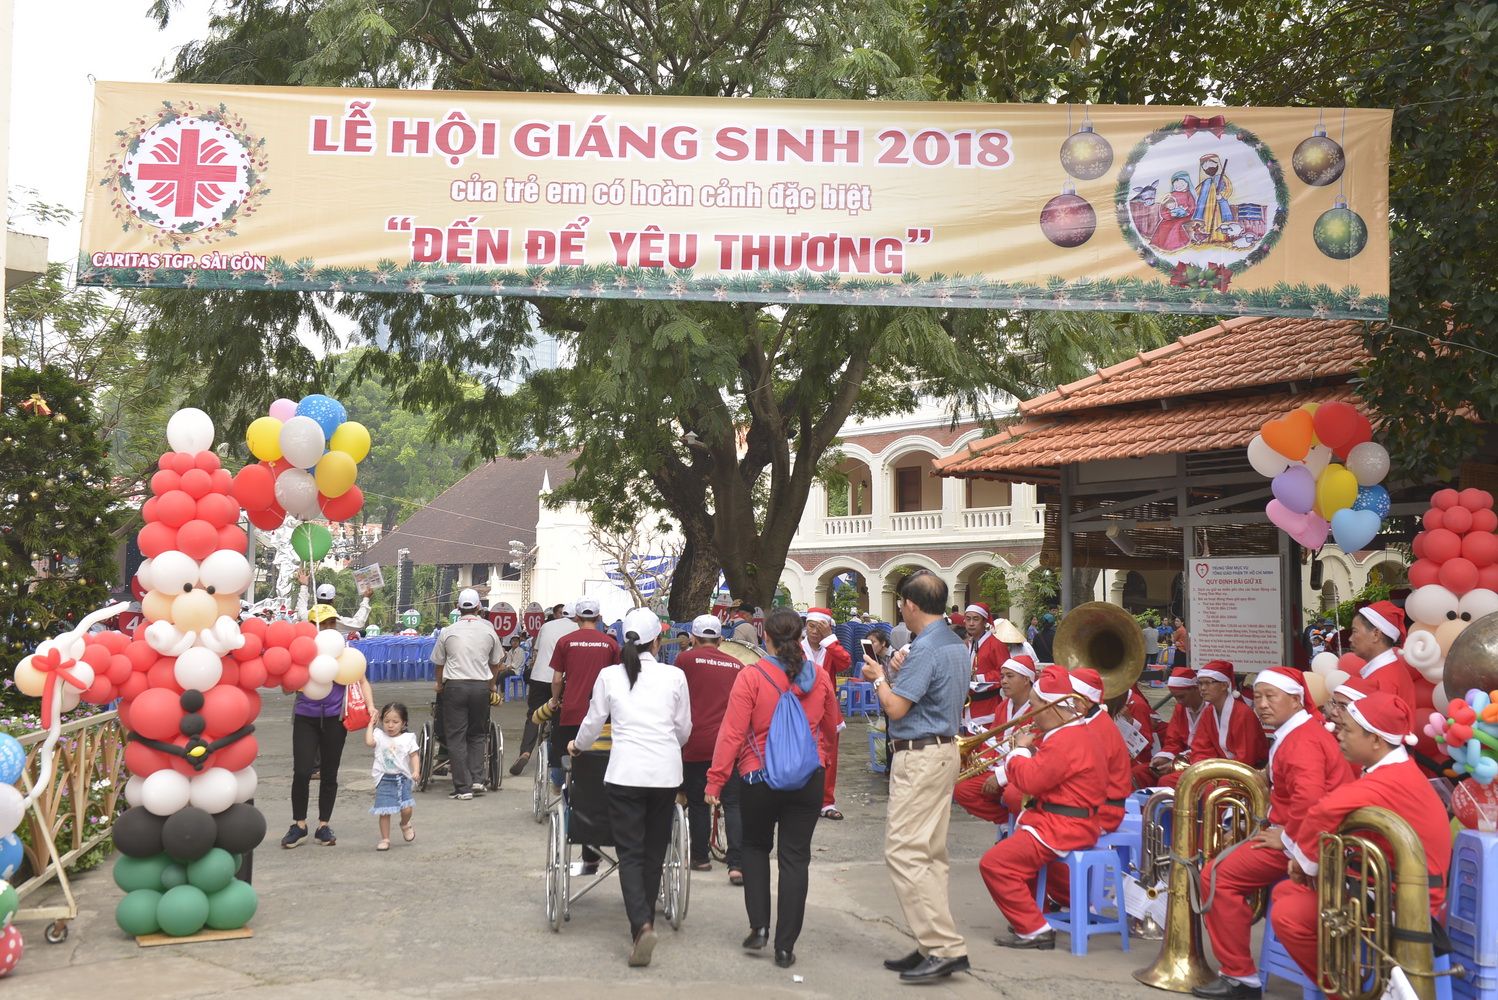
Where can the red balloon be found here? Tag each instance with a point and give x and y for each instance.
(253, 697)
(237, 755)
(1473, 498)
(268, 519)
(1480, 548)
(134, 687)
(197, 483)
(1442, 544)
(1458, 575)
(277, 660)
(179, 763)
(1457, 519)
(100, 692)
(123, 711)
(165, 481)
(114, 640)
(279, 633)
(141, 655)
(232, 536)
(136, 590)
(163, 675)
(303, 650)
(1445, 499)
(1487, 578)
(1336, 423)
(149, 511)
(1417, 547)
(255, 487)
(119, 670)
(295, 678)
(344, 507)
(230, 671)
(182, 462)
(223, 481)
(142, 760)
(305, 628)
(95, 654)
(252, 673)
(1424, 572)
(154, 539)
(277, 467)
(217, 509)
(156, 714)
(198, 539)
(207, 461)
(225, 708)
(1434, 518)
(251, 648)
(1484, 520)
(175, 508)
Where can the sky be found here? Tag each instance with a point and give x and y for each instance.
(59, 45)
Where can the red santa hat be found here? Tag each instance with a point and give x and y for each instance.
(1217, 670)
(1290, 681)
(981, 610)
(1385, 715)
(819, 615)
(1181, 677)
(1385, 617)
(1054, 683)
(1021, 664)
(1355, 688)
(1088, 683)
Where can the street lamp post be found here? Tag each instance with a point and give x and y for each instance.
(524, 560)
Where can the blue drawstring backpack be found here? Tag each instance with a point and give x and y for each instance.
(790, 756)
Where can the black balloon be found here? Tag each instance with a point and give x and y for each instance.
(188, 834)
(192, 724)
(137, 833)
(241, 828)
(191, 700)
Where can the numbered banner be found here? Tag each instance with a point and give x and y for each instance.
(505, 619)
(535, 617)
(1216, 211)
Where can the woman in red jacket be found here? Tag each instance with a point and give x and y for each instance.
(741, 742)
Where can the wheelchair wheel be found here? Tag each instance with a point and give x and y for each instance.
(428, 755)
(717, 843)
(676, 880)
(541, 781)
(557, 864)
(495, 752)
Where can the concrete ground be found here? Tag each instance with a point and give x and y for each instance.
(459, 913)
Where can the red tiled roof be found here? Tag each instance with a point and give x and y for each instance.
(1035, 449)
(1240, 353)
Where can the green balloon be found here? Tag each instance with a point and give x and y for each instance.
(311, 541)
(136, 913)
(140, 873)
(9, 903)
(232, 906)
(182, 911)
(173, 874)
(212, 871)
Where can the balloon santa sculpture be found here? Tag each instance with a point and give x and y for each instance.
(187, 683)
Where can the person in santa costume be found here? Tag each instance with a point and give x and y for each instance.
(1375, 737)
(981, 795)
(1350, 690)
(1062, 767)
(1133, 706)
(988, 655)
(1179, 730)
(1304, 765)
(822, 648)
(1104, 728)
(1230, 729)
(1377, 630)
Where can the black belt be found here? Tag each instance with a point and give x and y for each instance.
(920, 743)
(1116, 803)
(1436, 882)
(1075, 812)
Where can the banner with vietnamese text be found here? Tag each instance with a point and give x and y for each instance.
(1219, 211)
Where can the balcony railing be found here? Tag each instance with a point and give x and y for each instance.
(928, 520)
(988, 517)
(858, 524)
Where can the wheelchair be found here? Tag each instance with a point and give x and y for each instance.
(433, 748)
(580, 818)
(541, 794)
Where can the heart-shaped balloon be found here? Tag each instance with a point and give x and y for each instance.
(1308, 530)
(1354, 529)
(1266, 461)
(1291, 434)
(1317, 459)
(1336, 678)
(1296, 489)
(1336, 489)
(1324, 664)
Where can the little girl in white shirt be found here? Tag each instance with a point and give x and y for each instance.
(397, 766)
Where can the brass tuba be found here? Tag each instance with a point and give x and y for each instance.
(1154, 852)
(1217, 803)
(1365, 898)
(1106, 638)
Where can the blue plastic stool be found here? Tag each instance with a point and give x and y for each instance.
(1093, 872)
(874, 740)
(514, 688)
(861, 698)
(1275, 961)
(1127, 840)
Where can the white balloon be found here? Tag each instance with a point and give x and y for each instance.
(165, 792)
(1438, 699)
(1317, 459)
(190, 429)
(317, 689)
(296, 492)
(322, 669)
(214, 790)
(1324, 663)
(1336, 679)
(226, 571)
(173, 571)
(198, 669)
(1422, 650)
(1266, 461)
(1477, 604)
(330, 642)
(1431, 605)
(132, 789)
(1368, 461)
(12, 809)
(143, 574)
(167, 639)
(245, 782)
(302, 441)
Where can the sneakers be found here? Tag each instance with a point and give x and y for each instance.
(325, 836)
(479, 788)
(519, 764)
(460, 796)
(294, 837)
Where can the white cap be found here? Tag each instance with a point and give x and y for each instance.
(643, 623)
(707, 627)
(326, 592)
(586, 607)
(468, 599)
(568, 612)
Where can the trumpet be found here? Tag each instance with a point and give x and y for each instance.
(978, 755)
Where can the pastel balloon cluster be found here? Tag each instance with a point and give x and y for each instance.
(1326, 471)
(309, 455)
(11, 943)
(12, 812)
(1469, 734)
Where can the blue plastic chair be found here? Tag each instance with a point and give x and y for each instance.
(1093, 872)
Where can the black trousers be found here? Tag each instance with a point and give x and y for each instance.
(537, 693)
(641, 822)
(316, 743)
(796, 813)
(465, 724)
(700, 814)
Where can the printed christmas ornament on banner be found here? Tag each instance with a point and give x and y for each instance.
(1340, 233)
(1318, 160)
(1085, 154)
(1068, 220)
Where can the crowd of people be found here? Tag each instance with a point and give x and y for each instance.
(722, 733)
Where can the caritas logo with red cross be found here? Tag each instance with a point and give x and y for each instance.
(186, 174)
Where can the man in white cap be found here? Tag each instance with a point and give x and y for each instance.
(468, 656)
(327, 594)
(822, 648)
(538, 685)
(710, 678)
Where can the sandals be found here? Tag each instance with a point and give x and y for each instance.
(383, 845)
(735, 878)
(831, 813)
(407, 832)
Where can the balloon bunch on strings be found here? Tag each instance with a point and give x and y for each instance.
(1325, 469)
(1468, 732)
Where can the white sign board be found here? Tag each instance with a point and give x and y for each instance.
(1235, 612)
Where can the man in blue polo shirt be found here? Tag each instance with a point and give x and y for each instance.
(923, 697)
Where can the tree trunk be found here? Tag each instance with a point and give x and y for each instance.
(695, 578)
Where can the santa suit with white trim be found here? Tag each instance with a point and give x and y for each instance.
(1305, 764)
(1242, 738)
(1395, 782)
(988, 656)
(1064, 770)
(833, 658)
(1179, 730)
(969, 792)
(1387, 671)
